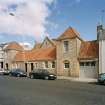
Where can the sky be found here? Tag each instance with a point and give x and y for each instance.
(33, 20)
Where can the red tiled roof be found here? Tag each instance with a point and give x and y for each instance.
(37, 55)
(69, 33)
(14, 46)
(88, 50)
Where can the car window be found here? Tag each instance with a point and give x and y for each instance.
(18, 70)
(35, 71)
(45, 71)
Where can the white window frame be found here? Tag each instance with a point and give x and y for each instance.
(66, 65)
(52, 64)
(66, 45)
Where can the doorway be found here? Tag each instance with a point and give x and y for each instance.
(26, 67)
(32, 66)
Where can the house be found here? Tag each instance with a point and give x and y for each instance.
(10, 52)
(41, 56)
(68, 55)
(101, 40)
(75, 57)
(2, 57)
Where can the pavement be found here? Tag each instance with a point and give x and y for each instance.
(25, 91)
(77, 79)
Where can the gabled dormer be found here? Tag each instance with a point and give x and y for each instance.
(47, 43)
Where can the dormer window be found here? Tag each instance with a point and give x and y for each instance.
(66, 46)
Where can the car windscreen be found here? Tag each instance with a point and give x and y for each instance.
(35, 71)
(18, 70)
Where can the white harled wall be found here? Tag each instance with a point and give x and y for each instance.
(101, 56)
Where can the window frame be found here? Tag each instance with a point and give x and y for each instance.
(66, 45)
(46, 64)
(53, 64)
(66, 66)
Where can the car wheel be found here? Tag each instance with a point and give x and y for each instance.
(104, 82)
(46, 78)
(32, 77)
(18, 75)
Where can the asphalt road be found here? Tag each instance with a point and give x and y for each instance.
(25, 91)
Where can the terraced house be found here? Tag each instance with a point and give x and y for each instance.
(67, 55)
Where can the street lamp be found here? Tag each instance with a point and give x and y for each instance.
(11, 14)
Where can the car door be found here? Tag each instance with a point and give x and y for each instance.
(44, 73)
(40, 74)
(37, 74)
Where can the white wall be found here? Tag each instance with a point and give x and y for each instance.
(102, 56)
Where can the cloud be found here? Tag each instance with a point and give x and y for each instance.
(26, 45)
(30, 17)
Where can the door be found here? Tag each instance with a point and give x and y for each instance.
(32, 66)
(88, 70)
(26, 67)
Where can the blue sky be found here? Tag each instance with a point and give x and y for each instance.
(83, 15)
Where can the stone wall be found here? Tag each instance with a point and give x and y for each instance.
(36, 65)
(71, 56)
(9, 57)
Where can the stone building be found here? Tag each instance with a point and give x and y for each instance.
(10, 52)
(101, 40)
(68, 55)
(2, 57)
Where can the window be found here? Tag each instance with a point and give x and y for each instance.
(66, 46)
(46, 64)
(53, 64)
(66, 65)
(6, 66)
(1, 64)
(87, 63)
(93, 63)
(36, 65)
(81, 63)
(32, 66)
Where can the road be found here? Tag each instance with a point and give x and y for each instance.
(25, 91)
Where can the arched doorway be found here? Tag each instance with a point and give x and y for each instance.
(67, 70)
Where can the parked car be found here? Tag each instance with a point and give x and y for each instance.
(101, 78)
(1, 71)
(18, 73)
(4, 72)
(42, 74)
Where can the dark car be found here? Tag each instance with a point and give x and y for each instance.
(18, 73)
(101, 78)
(42, 74)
